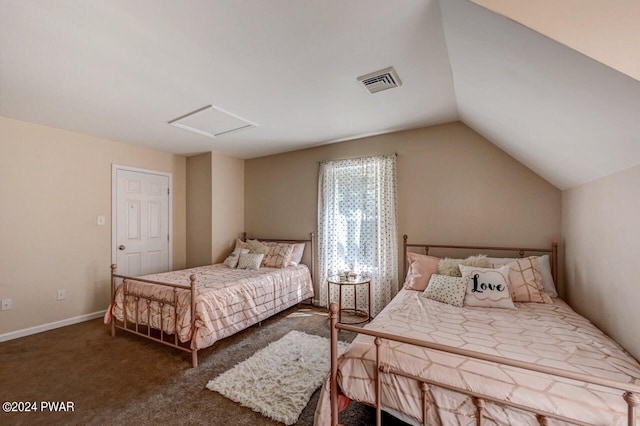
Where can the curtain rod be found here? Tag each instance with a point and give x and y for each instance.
(359, 158)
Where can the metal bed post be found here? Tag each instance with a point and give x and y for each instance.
(113, 298)
(194, 351)
(480, 404)
(313, 261)
(633, 400)
(424, 391)
(404, 255)
(333, 382)
(378, 342)
(554, 260)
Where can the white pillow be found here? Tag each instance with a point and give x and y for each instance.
(250, 260)
(296, 256)
(446, 289)
(544, 267)
(547, 277)
(232, 260)
(487, 287)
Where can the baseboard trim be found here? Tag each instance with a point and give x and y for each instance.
(50, 326)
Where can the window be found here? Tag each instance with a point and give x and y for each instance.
(357, 227)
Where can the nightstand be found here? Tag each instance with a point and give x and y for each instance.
(353, 283)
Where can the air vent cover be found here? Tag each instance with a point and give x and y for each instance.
(380, 80)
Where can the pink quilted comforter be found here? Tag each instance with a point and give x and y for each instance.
(545, 334)
(227, 300)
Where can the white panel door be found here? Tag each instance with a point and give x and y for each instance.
(141, 222)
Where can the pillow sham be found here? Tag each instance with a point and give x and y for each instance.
(232, 260)
(278, 255)
(451, 267)
(446, 289)
(525, 282)
(250, 260)
(547, 278)
(254, 246)
(544, 265)
(487, 287)
(241, 244)
(296, 255)
(258, 247)
(421, 268)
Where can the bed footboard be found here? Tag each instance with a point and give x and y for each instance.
(135, 326)
(629, 392)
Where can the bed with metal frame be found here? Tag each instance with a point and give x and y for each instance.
(138, 325)
(629, 392)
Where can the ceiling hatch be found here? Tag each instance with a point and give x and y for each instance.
(378, 81)
(211, 121)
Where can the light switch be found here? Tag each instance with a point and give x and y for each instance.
(101, 220)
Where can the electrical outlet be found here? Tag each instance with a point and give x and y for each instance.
(7, 304)
(62, 294)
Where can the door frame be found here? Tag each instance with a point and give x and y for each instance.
(114, 207)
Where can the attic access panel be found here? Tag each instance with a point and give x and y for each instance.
(211, 121)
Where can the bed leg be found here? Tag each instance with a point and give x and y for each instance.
(633, 401)
(194, 352)
(113, 298)
(378, 342)
(333, 384)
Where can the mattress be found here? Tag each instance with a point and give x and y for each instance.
(227, 300)
(545, 334)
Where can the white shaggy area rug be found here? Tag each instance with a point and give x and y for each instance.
(278, 381)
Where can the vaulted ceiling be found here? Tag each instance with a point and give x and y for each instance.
(122, 69)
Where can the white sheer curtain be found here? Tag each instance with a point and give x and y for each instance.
(357, 228)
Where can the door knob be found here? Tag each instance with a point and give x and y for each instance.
(121, 247)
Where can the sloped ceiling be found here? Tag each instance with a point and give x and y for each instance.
(569, 118)
(122, 69)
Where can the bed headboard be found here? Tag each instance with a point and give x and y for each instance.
(521, 251)
(310, 245)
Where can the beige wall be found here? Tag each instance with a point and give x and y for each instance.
(453, 187)
(199, 210)
(215, 206)
(227, 198)
(600, 232)
(53, 185)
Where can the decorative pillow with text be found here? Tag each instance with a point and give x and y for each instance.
(487, 287)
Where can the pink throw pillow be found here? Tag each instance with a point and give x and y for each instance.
(421, 267)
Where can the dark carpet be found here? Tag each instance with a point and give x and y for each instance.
(130, 380)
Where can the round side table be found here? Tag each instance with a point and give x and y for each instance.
(353, 283)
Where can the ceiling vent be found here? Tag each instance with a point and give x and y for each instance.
(380, 80)
(212, 122)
